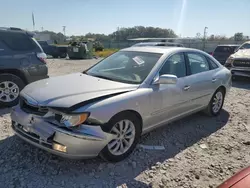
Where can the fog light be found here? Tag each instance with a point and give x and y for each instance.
(59, 147)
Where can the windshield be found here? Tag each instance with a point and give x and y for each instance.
(245, 46)
(125, 66)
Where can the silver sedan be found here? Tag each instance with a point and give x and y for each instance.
(105, 109)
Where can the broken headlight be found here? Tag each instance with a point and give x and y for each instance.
(72, 120)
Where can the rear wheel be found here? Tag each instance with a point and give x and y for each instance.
(63, 55)
(10, 87)
(127, 129)
(216, 103)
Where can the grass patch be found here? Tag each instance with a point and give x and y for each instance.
(105, 52)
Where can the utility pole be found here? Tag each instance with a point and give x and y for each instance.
(118, 33)
(64, 29)
(204, 37)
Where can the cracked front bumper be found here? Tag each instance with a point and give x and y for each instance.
(85, 142)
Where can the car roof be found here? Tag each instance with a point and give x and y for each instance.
(159, 49)
(229, 45)
(15, 30)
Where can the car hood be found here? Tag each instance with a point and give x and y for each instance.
(245, 53)
(65, 91)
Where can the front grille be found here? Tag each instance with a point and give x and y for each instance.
(31, 109)
(32, 136)
(242, 63)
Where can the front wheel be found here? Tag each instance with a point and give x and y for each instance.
(127, 129)
(216, 103)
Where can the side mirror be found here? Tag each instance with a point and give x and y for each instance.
(165, 79)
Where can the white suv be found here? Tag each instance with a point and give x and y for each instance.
(239, 62)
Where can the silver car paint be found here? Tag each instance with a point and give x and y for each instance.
(155, 104)
(65, 91)
(164, 109)
(85, 142)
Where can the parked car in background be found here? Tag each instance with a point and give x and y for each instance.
(239, 62)
(158, 44)
(222, 52)
(22, 61)
(54, 50)
(104, 110)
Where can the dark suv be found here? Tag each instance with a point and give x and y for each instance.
(22, 61)
(222, 52)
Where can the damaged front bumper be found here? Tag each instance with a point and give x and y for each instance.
(236, 71)
(84, 142)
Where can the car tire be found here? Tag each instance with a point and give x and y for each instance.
(108, 153)
(10, 87)
(64, 55)
(216, 103)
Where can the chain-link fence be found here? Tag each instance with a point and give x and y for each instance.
(209, 46)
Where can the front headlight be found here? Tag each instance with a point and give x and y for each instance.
(73, 120)
(229, 61)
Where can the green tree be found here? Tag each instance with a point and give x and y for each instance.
(238, 36)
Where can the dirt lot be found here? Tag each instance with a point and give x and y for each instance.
(199, 151)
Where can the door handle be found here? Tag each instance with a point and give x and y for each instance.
(214, 79)
(186, 88)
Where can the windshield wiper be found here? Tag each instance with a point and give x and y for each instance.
(103, 77)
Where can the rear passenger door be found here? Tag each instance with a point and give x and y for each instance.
(202, 80)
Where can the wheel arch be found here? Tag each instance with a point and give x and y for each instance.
(137, 114)
(14, 72)
(223, 89)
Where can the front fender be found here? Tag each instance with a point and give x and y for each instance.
(104, 110)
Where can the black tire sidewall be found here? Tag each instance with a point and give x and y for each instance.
(106, 154)
(211, 103)
(64, 55)
(15, 79)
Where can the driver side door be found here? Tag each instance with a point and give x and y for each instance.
(168, 100)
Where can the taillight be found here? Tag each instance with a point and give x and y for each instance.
(42, 57)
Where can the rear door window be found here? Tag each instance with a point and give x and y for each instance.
(224, 49)
(18, 41)
(213, 65)
(198, 63)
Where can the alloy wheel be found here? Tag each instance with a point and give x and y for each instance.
(217, 102)
(125, 135)
(9, 91)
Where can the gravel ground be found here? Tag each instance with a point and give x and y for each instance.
(200, 151)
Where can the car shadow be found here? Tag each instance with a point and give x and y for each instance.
(241, 82)
(4, 111)
(26, 160)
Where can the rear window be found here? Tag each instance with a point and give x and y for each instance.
(224, 49)
(18, 41)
